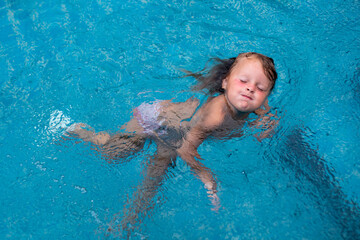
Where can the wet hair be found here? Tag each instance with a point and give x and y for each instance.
(211, 79)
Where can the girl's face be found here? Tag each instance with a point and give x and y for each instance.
(247, 87)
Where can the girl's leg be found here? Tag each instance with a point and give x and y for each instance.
(113, 147)
(88, 134)
(122, 145)
(143, 201)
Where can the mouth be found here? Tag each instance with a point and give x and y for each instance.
(246, 97)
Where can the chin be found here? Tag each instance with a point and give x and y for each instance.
(243, 110)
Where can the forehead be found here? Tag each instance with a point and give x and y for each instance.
(246, 63)
(249, 66)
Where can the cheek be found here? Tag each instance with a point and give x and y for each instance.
(240, 84)
(262, 96)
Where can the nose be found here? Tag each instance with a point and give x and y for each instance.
(250, 88)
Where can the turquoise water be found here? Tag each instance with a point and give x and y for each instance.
(94, 61)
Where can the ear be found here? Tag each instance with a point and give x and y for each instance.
(224, 83)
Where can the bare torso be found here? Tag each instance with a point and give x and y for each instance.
(183, 116)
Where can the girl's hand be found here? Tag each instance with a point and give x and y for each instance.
(212, 194)
(215, 201)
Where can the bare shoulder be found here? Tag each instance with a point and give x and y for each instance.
(213, 112)
(217, 102)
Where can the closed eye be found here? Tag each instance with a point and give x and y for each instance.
(261, 89)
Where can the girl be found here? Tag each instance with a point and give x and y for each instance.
(236, 87)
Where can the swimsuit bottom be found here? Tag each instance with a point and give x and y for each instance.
(147, 115)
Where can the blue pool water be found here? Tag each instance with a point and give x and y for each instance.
(94, 61)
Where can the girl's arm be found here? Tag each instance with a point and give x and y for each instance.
(267, 121)
(188, 152)
(210, 120)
